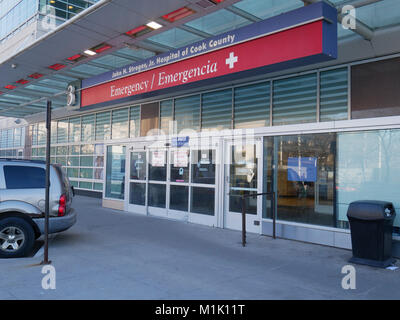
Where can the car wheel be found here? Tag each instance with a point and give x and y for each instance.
(16, 237)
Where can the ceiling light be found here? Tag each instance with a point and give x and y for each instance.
(178, 14)
(76, 58)
(35, 75)
(101, 48)
(154, 25)
(22, 81)
(57, 66)
(89, 52)
(139, 31)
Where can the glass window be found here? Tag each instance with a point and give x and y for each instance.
(252, 105)
(86, 161)
(179, 197)
(295, 100)
(85, 185)
(334, 95)
(175, 38)
(166, 116)
(119, 124)
(86, 173)
(203, 166)
(203, 201)
(88, 128)
(115, 172)
(134, 121)
(73, 172)
(103, 128)
(216, 110)
(187, 113)
(73, 161)
(74, 130)
(305, 178)
(41, 133)
(267, 9)
(15, 177)
(62, 131)
(375, 89)
(218, 22)
(368, 167)
(53, 136)
(73, 150)
(98, 186)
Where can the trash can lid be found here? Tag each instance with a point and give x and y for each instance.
(371, 210)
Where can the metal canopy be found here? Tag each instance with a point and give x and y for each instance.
(108, 20)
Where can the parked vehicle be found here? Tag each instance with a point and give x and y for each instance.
(22, 204)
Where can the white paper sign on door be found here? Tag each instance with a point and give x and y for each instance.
(158, 159)
(181, 158)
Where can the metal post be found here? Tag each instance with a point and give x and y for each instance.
(243, 221)
(47, 204)
(273, 215)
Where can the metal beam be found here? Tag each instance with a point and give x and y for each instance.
(195, 31)
(243, 14)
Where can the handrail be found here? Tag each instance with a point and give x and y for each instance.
(253, 195)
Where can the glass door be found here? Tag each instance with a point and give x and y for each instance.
(137, 175)
(203, 182)
(115, 173)
(242, 168)
(178, 183)
(157, 191)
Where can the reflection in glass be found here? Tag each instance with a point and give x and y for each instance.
(305, 178)
(137, 193)
(138, 165)
(371, 170)
(179, 196)
(157, 195)
(243, 178)
(203, 166)
(158, 165)
(115, 172)
(203, 201)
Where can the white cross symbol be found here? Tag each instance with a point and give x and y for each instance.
(231, 60)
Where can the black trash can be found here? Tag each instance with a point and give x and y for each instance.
(371, 225)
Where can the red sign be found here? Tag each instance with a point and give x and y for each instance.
(295, 43)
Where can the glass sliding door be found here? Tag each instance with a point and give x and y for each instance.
(178, 183)
(157, 185)
(242, 178)
(115, 173)
(137, 181)
(203, 182)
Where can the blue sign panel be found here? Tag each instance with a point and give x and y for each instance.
(302, 169)
(180, 142)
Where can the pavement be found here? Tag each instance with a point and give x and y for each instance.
(111, 254)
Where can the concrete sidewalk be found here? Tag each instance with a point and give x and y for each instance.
(110, 254)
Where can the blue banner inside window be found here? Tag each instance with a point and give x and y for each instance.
(302, 169)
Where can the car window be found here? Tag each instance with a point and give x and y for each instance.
(21, 177)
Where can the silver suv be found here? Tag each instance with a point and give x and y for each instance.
(22, 204)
